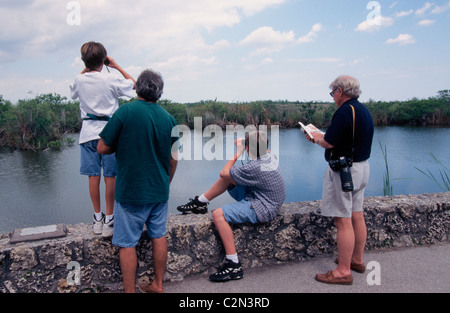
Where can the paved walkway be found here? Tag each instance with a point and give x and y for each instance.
(402, 270)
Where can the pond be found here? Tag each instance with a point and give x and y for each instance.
(42, 188)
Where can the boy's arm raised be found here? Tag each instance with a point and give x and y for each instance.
(113, 64)
(225, 172)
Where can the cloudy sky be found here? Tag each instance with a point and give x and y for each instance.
(232, 50)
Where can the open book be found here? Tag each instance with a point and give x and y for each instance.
(309, 129)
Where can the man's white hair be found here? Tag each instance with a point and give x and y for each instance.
(349, 85)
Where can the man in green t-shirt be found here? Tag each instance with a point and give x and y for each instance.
(140, 133)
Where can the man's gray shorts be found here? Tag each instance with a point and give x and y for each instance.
(337, 203)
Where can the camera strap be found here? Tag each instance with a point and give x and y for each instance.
(353, 140)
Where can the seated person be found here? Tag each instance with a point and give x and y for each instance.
(259, 188)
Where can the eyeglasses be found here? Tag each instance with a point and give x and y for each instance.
(334, 90)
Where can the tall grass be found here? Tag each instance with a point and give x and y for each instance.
(387, 185)
(444, 181)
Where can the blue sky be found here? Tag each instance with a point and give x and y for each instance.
(232, 50)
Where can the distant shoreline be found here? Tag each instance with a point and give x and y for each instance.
(41, 122)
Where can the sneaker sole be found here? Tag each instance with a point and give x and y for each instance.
(97, 230)
(225, 279)
(184, 211)
(193, 211)
(200, 211)
(108, 233)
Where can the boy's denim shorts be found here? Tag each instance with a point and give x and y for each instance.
(129, 221)
(92, 162)
(241, 211)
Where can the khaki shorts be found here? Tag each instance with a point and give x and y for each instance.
(337, 203)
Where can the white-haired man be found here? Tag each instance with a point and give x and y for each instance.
(347, 144)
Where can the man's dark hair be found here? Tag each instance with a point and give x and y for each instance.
(149, 86)
(93, 54)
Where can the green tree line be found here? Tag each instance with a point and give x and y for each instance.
(42, 122)
(39, 123)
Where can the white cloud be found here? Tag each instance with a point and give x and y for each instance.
(393, 4)
(312, 35)
(196, 44)
(369, 26)
(316, 60)
(193, 67)
(168, 36)
(251, 7)
(426, 22)
(32, 85)
(360, 60)
(267, 40)
(441, 9)
(354, 62)
(33, 31)
(258, 65)
(402, 39)
(40, 27)
(424, 9)
(404, 13)
(77, 63)
(435, 9)
(267, 61)
(221, 44)
(266, 35)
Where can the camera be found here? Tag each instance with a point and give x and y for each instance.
(106, 62)
(343, 165)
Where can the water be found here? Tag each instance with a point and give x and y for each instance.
(41, 188)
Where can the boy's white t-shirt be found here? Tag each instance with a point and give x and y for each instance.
(98, 94)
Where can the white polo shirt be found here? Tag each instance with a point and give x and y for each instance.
(98, 94)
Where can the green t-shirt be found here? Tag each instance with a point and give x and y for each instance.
(141, 133)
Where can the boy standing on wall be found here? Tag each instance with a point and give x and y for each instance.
(98, 95)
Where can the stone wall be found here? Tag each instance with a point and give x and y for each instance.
(299, 233)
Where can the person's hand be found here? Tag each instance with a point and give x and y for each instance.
(240, 145)
(316, 136)
(309, 138)
(112, 63)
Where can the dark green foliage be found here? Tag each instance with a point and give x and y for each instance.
(38, 123)
(41, 122)
(431, 111)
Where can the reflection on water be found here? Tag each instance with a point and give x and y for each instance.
(41, 188)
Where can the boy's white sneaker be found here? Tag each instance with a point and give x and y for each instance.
(97, 226)
(108, 228)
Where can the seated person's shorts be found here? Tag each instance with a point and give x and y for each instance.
(241, 211)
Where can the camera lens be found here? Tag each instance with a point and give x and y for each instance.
(346, 179)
